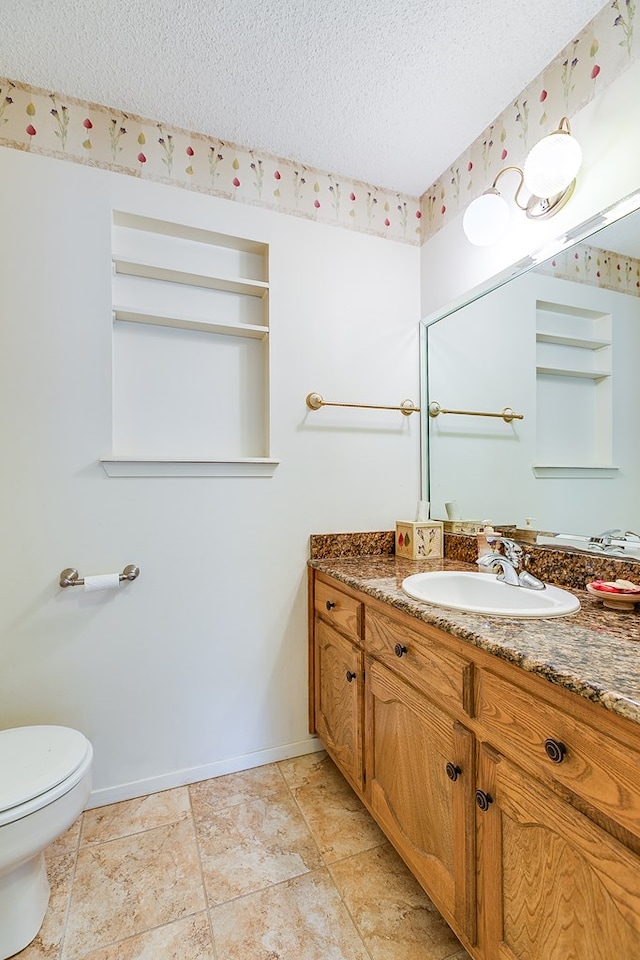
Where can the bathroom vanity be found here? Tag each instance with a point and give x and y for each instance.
(500, 757)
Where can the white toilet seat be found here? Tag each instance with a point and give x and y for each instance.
(39, 764)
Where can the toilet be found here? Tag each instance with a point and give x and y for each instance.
(45, 782)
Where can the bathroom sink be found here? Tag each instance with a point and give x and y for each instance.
(484, 593)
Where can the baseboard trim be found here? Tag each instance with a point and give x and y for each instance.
(178, 778)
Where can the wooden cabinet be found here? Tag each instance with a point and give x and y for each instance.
(420, 785)
(558, 746)
(553, 885)
(339, 691)
(515, 803)
(336, 659)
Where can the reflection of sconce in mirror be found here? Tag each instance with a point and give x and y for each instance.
(549, 175)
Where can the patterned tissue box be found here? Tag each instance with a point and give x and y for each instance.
(420, 540)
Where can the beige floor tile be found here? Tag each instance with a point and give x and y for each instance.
(46, 945)
(251, 845)
(68, 842)
(311, 768)
(394, 916)
(132, 884)
(302, 919)
(234, 788)
(188, 939)
(134, 816)
(339, 822)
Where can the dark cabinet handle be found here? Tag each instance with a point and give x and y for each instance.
(399, 650)
(330, 604)
(350, 676)
(453, 771)
(555, 750)
(483, 799)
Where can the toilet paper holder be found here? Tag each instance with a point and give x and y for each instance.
(70, 577)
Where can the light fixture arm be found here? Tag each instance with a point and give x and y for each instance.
(523, 206)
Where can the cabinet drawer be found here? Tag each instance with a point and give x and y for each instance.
(421, 661)
(339, 609)
(582, 758)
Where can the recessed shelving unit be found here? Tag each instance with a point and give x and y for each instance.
(190, 351)
(573, 390)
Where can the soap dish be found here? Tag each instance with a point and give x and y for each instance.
(615, 601)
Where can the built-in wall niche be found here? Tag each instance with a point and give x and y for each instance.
(190, 350)
(574, 420)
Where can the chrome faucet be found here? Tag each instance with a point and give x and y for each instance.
(511, 564)
(509, 573)
(512, 550)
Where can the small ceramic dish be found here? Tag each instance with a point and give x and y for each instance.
(615, 601)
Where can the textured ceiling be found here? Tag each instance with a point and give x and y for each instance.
(386, 91)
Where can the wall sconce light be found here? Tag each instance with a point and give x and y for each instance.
(549, 175)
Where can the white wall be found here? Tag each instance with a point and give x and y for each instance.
(199, 667)
(608, 129)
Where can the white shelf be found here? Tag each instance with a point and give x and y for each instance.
(115, 466)
(574, 471)
(134, 221)
(587, 343)
(579, 374)
(253, 331)
(150, 271)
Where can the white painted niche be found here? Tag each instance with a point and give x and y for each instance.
(190, 351)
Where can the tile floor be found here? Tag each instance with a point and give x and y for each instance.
(277, 863)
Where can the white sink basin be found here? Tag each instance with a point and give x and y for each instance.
(484, 593)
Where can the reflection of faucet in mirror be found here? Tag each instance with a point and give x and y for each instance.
(510, 563)
(614, 541)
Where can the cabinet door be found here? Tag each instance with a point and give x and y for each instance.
(420, 783)
(553, 885)
(339, 700)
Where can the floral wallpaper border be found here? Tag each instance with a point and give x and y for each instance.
(596, 267)
(600, 53)
(40, 121)
(48, 123)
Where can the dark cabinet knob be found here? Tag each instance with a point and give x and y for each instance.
(350, 676)
(453, 771)
(555, 750)
(330, 604)
(483, 799)
(399, 650)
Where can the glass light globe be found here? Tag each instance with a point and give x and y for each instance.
(486, 218)
(552, 164)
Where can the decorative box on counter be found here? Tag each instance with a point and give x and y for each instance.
(419, 539)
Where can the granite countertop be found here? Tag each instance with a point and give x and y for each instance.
(594, 653)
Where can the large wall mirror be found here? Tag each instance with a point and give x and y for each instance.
(559, 345)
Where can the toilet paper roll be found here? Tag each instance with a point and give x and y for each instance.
(103, 581)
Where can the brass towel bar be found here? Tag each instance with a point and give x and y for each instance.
(507, 414)
(315, 401)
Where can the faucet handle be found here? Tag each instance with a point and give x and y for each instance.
(512, 550)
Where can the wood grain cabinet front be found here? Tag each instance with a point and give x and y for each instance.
(563, 748)
(420, 659)
(338, 608)
(420, 785)
(553, 885)
(339, 697)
